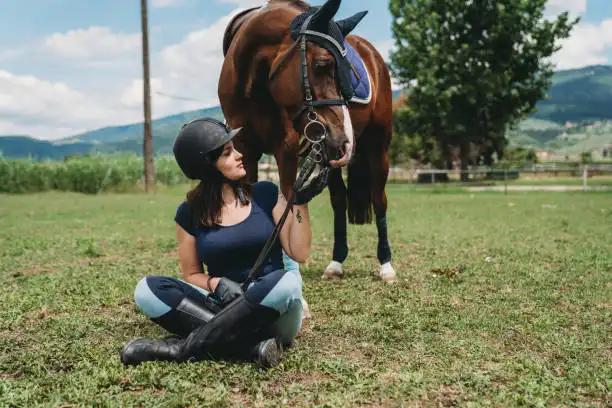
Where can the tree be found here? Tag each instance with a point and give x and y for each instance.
(147, 145)
(407, 144)
(519, 156)
(474, 67)
(586, 157)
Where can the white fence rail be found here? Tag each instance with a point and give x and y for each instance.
(599, 174)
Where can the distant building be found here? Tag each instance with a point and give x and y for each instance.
(545, 155)
(604, 152)
(595, 125)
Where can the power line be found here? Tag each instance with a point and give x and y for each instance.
(182, 98)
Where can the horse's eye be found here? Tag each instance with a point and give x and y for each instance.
(322, 67)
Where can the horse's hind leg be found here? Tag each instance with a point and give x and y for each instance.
(379, 168)
(337, 194)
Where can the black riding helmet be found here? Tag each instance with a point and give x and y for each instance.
(196, 140)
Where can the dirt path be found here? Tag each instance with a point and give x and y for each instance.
(540, 188)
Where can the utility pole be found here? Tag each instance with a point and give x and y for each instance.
(147, 145)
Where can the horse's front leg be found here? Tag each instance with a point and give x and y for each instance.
(337, 195)
(286, 160)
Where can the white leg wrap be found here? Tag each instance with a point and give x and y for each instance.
(305, 310)
(387, 273)
(333, 270)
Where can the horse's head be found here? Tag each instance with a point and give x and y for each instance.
(310, 78)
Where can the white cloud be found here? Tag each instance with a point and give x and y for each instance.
(384, 47)
(574, 7)
(243, 3)
(133, 96)
(587, 45)
(93, 43)
(48, 110)
(192, 67)
(165, 3)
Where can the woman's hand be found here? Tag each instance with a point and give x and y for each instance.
(226, 291)
(212, 284)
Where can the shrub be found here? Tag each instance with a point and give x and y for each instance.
(89, 174)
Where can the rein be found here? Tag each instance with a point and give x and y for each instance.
(305, 171)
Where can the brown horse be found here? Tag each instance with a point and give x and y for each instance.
(264, 86)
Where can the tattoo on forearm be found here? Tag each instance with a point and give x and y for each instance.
(298, 215)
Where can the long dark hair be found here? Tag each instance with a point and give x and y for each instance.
(206, 199)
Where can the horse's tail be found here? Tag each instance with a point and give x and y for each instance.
(359, 190)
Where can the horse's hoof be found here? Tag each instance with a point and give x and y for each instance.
(387, 273)
(305, 310)
(333, 271)
(331, 274)
(304, 327)
(306, 316)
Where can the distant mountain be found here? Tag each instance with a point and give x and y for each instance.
(580, 96)
(24, 146)
(126, 138)
(134, 131)
(576, 117)
(570, 139)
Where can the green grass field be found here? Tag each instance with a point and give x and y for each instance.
(502, 301)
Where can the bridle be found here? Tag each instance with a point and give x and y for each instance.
(315, 132)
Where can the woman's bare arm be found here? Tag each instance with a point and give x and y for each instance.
(190, 264)
(296, 234)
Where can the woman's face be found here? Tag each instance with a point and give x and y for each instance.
(230, 162)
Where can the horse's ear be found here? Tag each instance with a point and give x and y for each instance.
(348, 24)
(325, 14)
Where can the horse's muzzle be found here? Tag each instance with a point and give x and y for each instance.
(341, 157)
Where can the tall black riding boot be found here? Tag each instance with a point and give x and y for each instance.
(239, 320)
(187, 316)
(182, 320)
(265, 352)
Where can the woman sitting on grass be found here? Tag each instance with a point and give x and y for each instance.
(224, 224)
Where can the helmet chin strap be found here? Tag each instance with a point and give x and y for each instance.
(235, 184)
(238, 190)
(236, 187)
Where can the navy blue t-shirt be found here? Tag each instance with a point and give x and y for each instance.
(231, 251)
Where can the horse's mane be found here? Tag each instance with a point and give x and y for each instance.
(296, 3)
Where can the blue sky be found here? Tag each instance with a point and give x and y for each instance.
(72, 65)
